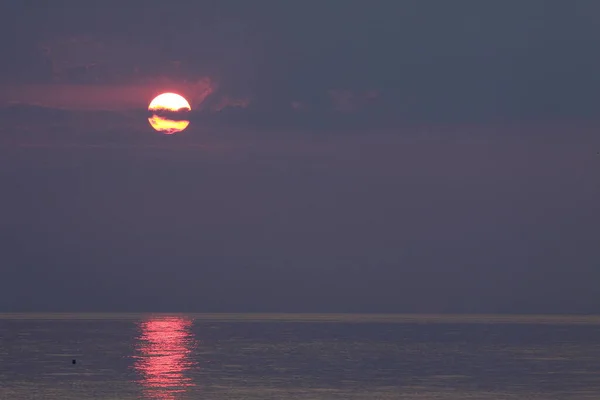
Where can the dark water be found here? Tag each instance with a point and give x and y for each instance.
(295, 357)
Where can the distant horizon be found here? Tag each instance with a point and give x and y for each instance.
(590, 319)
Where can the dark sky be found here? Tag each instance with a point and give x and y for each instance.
(347, 156)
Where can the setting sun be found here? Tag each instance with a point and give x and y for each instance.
(168, 102)
(167, 126)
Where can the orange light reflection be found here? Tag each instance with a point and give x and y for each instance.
(164, 356)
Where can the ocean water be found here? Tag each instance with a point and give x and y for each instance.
(169, 357)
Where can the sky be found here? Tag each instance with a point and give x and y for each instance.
(342, 156)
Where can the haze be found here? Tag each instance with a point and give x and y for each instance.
(414, 156)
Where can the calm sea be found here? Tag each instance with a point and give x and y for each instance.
(269, 356)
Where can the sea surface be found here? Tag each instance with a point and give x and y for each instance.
(279, 356)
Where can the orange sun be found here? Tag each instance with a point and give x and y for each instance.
(171, 102)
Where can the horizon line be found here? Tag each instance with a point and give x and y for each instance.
(587, 319)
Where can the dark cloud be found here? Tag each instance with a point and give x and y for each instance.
(464, 61)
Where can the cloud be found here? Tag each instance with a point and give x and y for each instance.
(349, 101)
(229, 102)
(116, 97)
(107, 59)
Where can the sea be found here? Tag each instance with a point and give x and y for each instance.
(298, 356)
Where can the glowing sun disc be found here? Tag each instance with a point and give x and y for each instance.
(169, 101)
(167, 126)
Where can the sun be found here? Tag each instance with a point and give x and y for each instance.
(170, 102)
(167, 126)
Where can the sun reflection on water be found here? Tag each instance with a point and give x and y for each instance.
(163, 358)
